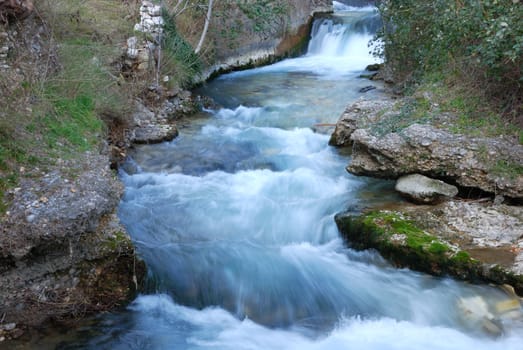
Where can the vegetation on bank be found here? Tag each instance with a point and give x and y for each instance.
(60, 86)
(65, 96)
(467, 54)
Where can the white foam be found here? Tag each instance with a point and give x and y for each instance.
(161, 321)
(340, 7)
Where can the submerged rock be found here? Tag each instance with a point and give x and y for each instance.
(422, 189)
(475, 313)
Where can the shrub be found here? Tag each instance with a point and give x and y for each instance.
(482, 41)
(178, 56)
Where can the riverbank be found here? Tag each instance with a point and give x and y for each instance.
(475, 233)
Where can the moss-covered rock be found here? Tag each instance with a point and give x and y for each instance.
(401, 241)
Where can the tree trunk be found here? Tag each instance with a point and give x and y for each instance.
(205, 27)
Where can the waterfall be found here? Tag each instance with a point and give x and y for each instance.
(347, 35)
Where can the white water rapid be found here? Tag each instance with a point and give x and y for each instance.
(234, 219)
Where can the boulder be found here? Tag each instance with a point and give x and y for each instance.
(421, 148)
(358, 115)
(467, 240)
(154, 133)
(63, 252)
(423, 189)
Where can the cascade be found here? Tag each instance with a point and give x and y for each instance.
(235, 220)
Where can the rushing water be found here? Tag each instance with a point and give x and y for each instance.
(235, 221)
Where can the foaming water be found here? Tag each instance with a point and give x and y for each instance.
(340, 7)
(234, 219)
(160, 323)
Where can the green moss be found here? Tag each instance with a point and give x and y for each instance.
(438, 248)
(390, 223)
(117, 241)
(404, 244)
(461, 257)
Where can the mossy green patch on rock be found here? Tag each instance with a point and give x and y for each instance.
(404, 244)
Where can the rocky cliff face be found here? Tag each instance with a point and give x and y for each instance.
(242, 37)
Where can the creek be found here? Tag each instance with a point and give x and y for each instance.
(234, 219)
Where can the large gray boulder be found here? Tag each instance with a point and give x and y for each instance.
(490, 164)
(423, 189)
(356, 116)
(63, 252)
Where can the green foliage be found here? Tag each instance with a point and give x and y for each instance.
(481, 41)
(268, 16)
(427, 34)
(178, 57)
(74, 121)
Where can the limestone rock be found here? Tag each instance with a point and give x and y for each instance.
(422, 189)
(474, 312)
(420, 148)
(70, 250)
(140, 54)
(358, 115)
(150, 127)
(438, 239)
(132, 49)
(155, 134)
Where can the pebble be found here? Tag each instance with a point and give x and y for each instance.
(9, 326)
(30, 218)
